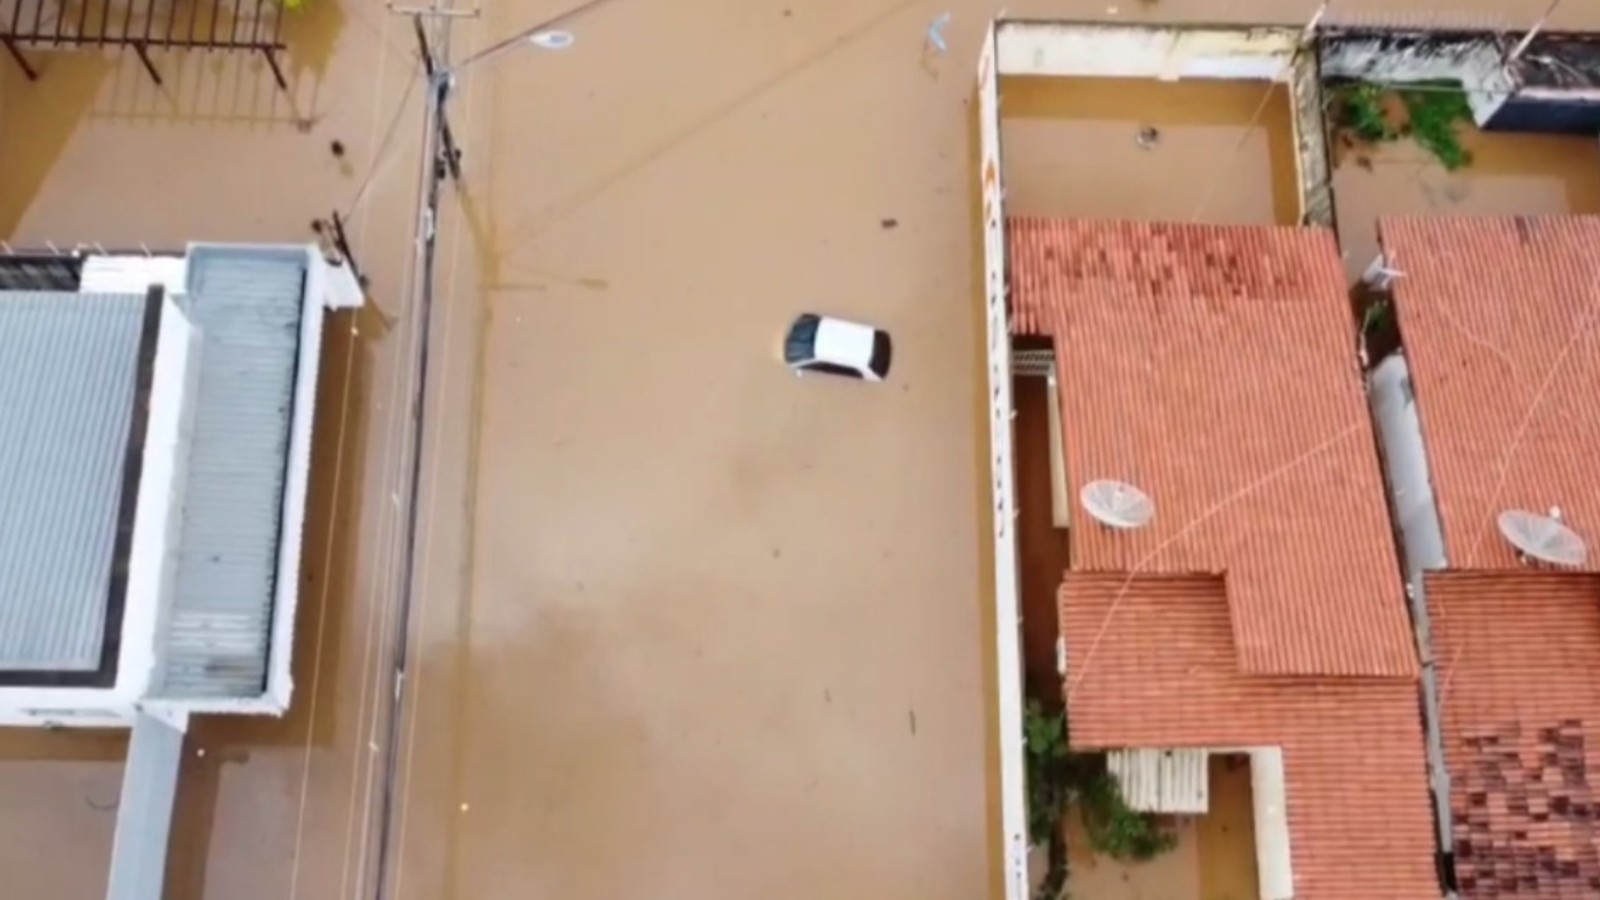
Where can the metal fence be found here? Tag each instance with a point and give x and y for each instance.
(254, 26)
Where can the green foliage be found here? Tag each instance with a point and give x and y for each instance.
(1358, 108)
(1114, 829)
(1045, 737)
(1059, 779)
(294, 5)
(1378, 315)
(1434, 111)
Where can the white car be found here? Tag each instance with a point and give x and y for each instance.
(836, 347)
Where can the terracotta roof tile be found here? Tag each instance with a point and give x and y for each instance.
(1500, 318)
(1520, 717)
(1214, 367)
(1163, 675)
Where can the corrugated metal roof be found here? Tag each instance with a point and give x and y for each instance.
(68, 379)
(247, 303)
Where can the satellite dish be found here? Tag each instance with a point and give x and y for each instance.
(1543, 538)
(1117, 504)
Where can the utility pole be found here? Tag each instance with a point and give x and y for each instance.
(441, 160)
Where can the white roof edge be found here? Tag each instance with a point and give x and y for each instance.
(333, 287)
(159, 504)
(1084, 48)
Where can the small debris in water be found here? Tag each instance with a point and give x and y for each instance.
(788, 13)
(911, 714)
(338, 149)
(936, 41)
(465, 807)
(886, 224)
(1148, 137)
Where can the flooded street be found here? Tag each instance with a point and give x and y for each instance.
(685, 625)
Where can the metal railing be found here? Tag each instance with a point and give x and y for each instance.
(144, 25)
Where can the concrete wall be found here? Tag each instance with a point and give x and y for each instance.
(1314, 174)
(1086, 49)
(1409, 58)
(1002, 469)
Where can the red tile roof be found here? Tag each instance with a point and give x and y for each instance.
(1214, 367)
(1520, 718)
(1500, 319)
(1164, 675)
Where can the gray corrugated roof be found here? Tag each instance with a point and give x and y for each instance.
(247, 302)
(68, 375)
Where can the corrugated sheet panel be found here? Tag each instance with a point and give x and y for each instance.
(248, 305)
(70, 365)
(1173, 782)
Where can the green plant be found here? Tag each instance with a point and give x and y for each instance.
(1114, 829)
(1378, 315)
(1060, 780)
(1434, 112)
(1045, 738)
(1358, 109)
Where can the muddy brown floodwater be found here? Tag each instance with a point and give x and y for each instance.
(1510, 174)
(686, 626)
(1205, 151)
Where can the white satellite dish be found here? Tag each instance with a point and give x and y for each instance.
(1543, 538)
(1117, 504)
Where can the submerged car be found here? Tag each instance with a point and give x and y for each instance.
(837, 347)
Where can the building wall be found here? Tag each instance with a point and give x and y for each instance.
(1013, 839)
(1411, 58)
(1081, 49)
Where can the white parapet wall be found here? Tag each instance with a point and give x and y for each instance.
(1274, 860)
(1173, 52)
(1007, 608)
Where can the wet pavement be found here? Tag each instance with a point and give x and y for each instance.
(686, 625)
